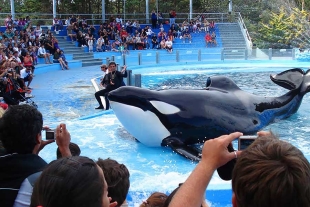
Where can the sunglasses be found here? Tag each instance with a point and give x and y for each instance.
(104, 67)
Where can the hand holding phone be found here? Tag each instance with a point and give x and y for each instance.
(245, 141)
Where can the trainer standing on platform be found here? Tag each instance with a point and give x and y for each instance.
(114, 80)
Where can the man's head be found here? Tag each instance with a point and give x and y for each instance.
(103, 68)
(117, 177)
(271, 172)
(112, 66)
(20, 129)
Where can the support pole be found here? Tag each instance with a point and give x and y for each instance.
(147, 12)
(177, 56)
(54, 8)
(13, 9)
(199, 55)
(103, 10)
(190, 10)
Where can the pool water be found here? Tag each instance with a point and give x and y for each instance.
(68, 97)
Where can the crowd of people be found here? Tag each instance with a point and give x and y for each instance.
(270, 172)
(116, 35)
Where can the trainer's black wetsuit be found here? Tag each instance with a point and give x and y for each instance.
(115, 77)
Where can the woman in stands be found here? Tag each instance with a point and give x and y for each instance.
(168, 44)
(58, 58)
(28, 62)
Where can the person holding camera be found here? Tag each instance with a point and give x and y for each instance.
(270, 172)
(22, 147)
(114, 80)
(26, 75)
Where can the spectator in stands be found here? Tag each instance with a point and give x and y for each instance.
(208, 39)
(43, 54)
(154, 41)
(22, 147)
(168, 45)
(139, 43)
(90, 44)
(81, 39)
(153, 19)
(75, 181)
(123, 35)
(270, 172)
(58, 59)
(26, 75)
(56, 24)
(28, 62)
(130, 40)
(117, 177)
(162, 44)
(157, 199)
(212, 25)
(100, 44)
(8, 22)
(186, 35)
(213, 38)
(172, 15)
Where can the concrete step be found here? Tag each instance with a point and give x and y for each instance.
(83, 55)
(91, 63)
(89, 59)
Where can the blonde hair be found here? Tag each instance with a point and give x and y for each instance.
(157, 199)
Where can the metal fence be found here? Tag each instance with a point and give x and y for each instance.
(47, 18)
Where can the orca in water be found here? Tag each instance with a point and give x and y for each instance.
(181, 118)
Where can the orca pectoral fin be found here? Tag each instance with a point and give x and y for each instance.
(188, 152)
(179, 147)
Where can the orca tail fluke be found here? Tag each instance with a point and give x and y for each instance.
(289, 79)
(189, 152)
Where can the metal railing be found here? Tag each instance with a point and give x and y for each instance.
(47, 18)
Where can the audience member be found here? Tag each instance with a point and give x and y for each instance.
(74, 149)
(117, 177)
(22, 147)
(157, 199)
(58, 58)
(43, 54)
(270, 172)
(75, 181)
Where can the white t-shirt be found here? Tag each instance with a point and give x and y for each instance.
(41, 51)
(169, 43)
(24, 73)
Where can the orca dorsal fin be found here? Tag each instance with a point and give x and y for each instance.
(289, 79)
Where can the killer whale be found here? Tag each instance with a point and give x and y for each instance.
(182, 118)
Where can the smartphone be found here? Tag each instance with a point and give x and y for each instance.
(245, 141)
(50, 134)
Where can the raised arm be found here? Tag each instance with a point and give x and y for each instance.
(214, 155)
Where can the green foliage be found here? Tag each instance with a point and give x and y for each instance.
(282, 29)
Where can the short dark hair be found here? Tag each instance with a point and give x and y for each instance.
(70, 181)
(117, 177)
(157, 199)
(19, 127)
(271, 172)
(112, 63)
(74, 149)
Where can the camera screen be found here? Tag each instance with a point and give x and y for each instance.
(245, 141)
(50, 135)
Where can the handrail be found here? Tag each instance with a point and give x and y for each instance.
(97, 18)
(245, 32)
